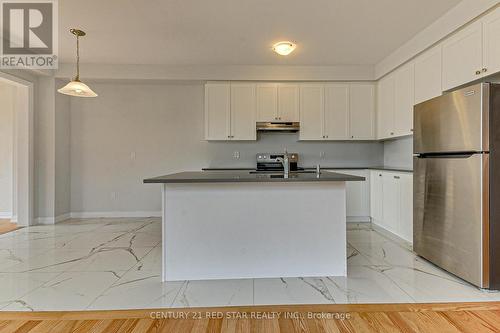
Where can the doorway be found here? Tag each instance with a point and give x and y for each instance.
(7, 105)
(16, 152)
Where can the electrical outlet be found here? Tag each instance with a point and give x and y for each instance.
(322, 154)
(236, 155)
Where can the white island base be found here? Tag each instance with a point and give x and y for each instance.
(253, 230)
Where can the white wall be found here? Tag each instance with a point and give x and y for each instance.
(135, 131)
(62, 153)
(7, 102)
(399, 153)
(52, 158)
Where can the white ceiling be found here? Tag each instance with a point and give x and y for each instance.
(241, 32)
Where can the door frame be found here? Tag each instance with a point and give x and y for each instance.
(23, 180)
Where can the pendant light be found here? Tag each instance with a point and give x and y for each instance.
(76, 87)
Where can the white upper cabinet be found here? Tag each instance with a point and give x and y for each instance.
(404, 88)
(463, 56)
(230, 111)
(217, 111)
(336, 117)
(288, 102)
(428, 71)
(491, 42)
(243, 111)
(362, 111)
(396, 97)
(312, 109)
(277, 102)
(326, 111)
(267, 102)
(385, 107)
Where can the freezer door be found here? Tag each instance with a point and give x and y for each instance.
(450, 229)
(454, 122)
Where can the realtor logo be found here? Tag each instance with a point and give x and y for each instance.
(29, 34)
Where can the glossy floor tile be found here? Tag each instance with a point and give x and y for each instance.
(116, 264)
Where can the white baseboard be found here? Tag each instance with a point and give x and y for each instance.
(358, 219)
(88, 215)
(5, 215)
(63, 217)
(13, 219)
(53, 220)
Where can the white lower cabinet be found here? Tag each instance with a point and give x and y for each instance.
(406, 207)
(390, 206)
(391, 200)
(357, 196)
(376, 193)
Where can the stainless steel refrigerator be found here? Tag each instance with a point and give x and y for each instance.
(456, 205)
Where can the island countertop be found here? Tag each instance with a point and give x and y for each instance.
(247, 177)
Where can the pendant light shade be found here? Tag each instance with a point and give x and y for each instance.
(76, 87)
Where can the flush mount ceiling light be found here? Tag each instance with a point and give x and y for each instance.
(284, 48)
(76, 87)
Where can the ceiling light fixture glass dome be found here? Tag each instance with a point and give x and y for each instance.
(284, 48)
(76, 87)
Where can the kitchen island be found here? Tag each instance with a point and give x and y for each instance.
(226, 225)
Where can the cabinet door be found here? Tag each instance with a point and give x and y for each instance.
(428, 75)
(357, 195)
(491, 41)
(390, 202)
(217, 111)
(406, 207)
(311, 112)
(336, 112)
(404, 94)
(288, 102)
(463, 57)
(385, 107)
(376, 196)
(243, 111)
(362, 111)
(267, 102)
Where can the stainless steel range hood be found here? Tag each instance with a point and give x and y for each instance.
(290, 127)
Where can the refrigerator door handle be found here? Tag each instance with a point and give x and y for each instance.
(447, 155)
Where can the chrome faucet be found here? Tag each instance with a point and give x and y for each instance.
(286, 164)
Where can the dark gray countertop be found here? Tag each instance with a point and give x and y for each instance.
(241, 176)
(384, 168)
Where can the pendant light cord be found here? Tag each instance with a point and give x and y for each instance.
(77, 78)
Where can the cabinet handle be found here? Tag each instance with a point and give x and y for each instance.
(478, 72)
(352, 136)
(485, 70)
(411, 129)
(396, 177)
(392, 133)
(380, 175)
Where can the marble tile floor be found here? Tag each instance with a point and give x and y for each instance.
(116, 264)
